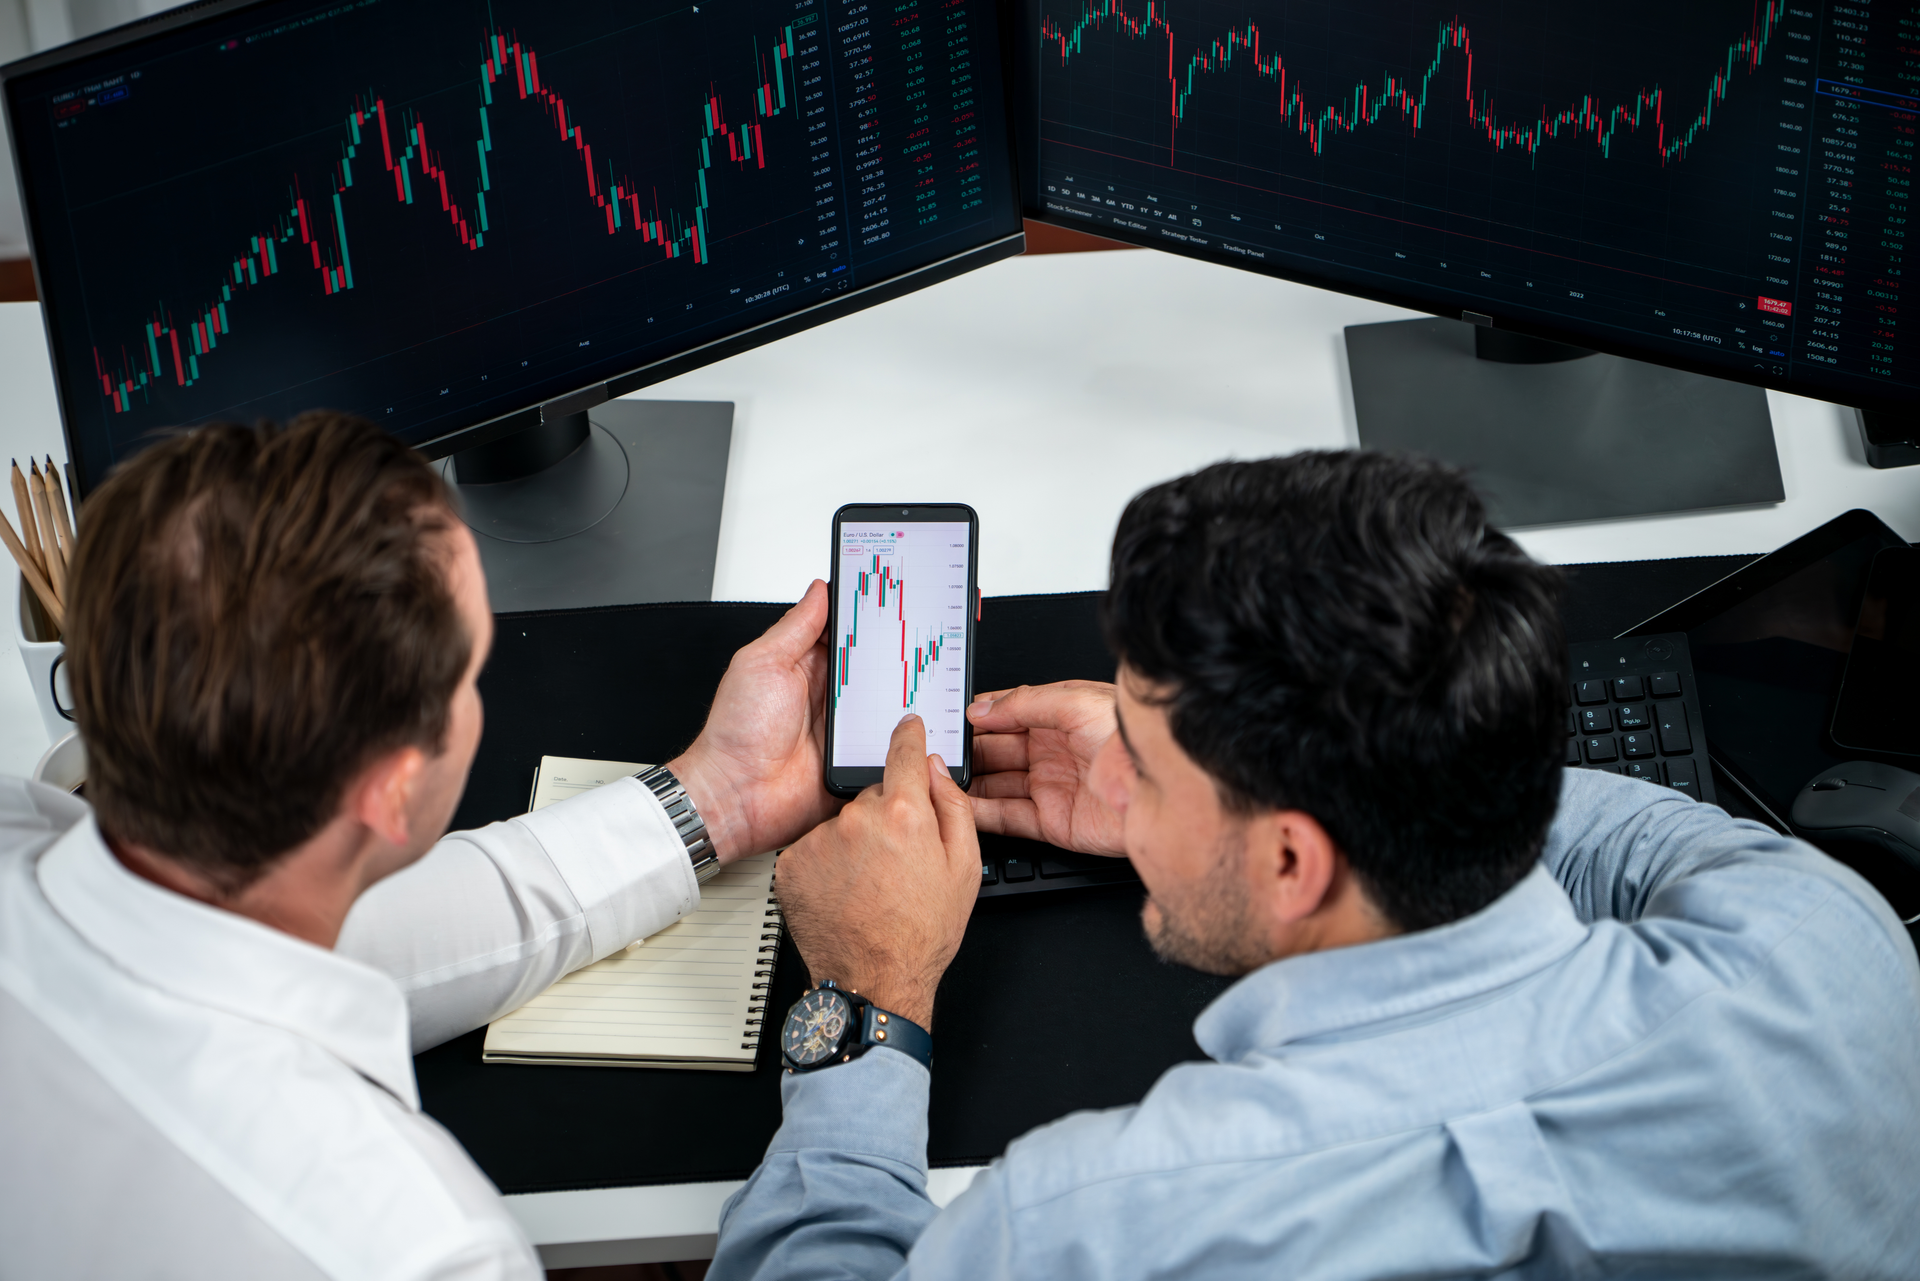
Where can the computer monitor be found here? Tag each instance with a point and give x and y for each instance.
(1720, 186)
(462, 218)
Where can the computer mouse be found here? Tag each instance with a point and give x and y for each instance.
(1864, 802)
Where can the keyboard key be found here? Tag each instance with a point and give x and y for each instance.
(1630, 717)
(1601, 751)
(987, 875)
(1055, 862)
(1586, 692)
(1637, 745)
(1683, 776)
(1674, 738)
(1573, 751)
(1017, 869)
(1573, 726)
(1666, 684)
(1646, 771)
(1595, 720)
(1627, 687)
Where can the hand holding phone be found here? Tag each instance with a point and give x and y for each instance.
(904, 600)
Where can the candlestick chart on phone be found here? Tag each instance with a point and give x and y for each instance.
(444, 166)
(902, 629)
(872, 586)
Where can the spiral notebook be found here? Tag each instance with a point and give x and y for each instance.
(693, 995)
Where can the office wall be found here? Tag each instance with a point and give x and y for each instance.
(26, 26)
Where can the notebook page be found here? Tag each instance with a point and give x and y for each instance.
(686, 996)
(684, 993)
(562, 776)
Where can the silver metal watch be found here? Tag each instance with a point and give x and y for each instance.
(672, 795)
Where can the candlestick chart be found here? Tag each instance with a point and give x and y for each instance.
(442, 214)
(1638, 167)
(1408, 99)
(901, 636)
(386, 152)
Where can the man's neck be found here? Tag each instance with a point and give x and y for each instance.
(305, 892)
(1346, 917)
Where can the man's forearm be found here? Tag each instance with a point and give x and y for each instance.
(1616, 842)
(489, 918)
(843, 1190)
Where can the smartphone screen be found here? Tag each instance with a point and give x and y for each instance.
(903, 597)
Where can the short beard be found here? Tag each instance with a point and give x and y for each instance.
(1211, 926)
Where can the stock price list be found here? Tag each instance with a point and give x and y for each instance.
(913, 81)
(1863, 87)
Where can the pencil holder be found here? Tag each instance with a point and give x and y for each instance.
(46, 670)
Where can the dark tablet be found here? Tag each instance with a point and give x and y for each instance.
(1769, 645)
(1878, 711)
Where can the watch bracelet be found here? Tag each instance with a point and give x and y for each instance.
(686, 820)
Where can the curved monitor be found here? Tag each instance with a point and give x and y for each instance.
(445, 214)
(1723, 186)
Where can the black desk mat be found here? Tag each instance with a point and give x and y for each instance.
(1025, 1021)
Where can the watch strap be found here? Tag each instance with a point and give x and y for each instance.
(686, 820)
(884, 1028)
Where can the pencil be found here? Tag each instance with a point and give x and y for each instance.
(57, 500)
(56, 568)
(25, 504)
(31, 572)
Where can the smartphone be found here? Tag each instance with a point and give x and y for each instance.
(904, 602)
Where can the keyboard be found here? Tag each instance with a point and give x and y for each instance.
(1633, 708)
(1009, 865)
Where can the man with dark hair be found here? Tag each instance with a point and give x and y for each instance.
(207, 978)
(1497, 1017)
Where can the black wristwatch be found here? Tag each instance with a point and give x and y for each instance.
(831, 1025)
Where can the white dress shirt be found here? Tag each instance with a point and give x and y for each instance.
(187, 1093)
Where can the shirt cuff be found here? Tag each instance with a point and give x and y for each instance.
(873, 1106)
(623, 860)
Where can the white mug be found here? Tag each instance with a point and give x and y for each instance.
(64, 765)
(46, 666)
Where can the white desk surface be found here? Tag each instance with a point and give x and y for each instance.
(1044, 391)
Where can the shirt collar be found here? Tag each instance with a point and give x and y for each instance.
(230, 963)
(1520, 933)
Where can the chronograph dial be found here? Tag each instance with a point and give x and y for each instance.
(831, 1024)
(816, 1027)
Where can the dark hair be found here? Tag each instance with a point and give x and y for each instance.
(1340, 633)
(258, 612)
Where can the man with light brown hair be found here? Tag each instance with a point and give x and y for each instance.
(212, 979)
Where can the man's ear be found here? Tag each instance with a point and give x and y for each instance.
(1296, 861)
(381, 798)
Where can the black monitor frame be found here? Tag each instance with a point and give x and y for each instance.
(533, 415)
(1021, 18)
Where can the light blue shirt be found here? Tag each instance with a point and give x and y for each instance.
(1683, 1046)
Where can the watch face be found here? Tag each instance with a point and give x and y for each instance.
(815, 1027)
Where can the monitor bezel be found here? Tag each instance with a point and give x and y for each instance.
(1020, 16)
(587, 394)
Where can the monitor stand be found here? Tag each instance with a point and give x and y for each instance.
(1889, 440)
(1552, 433)
(617, 505)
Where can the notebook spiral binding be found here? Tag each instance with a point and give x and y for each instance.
(763, 978)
